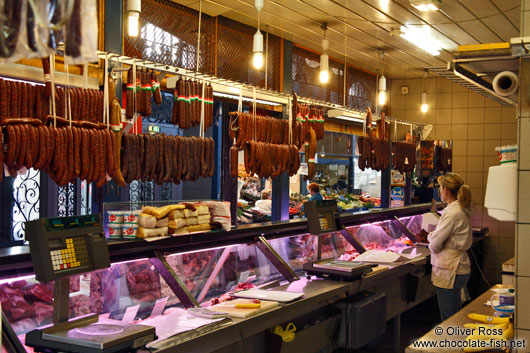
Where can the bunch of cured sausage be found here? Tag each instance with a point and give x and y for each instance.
(270, 160)
(245, 127)
(165, 159)
(65, 153)
(404, 156)
(311, 117)
(444, 158)
(20, 100)
(374, 152)
(187, 104)
(145, 87)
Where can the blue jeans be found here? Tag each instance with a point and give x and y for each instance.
(449, 299)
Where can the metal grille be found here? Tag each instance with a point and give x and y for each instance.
(26, 197)
(141, 191)
(361, 89)
(234, 54)
(306, 80)
(168, 35)
(66, 200)
(161, 113)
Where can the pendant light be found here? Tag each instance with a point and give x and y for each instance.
(324, 59)
(382, 80)
(424, 105)
(257, 60)
(134, 7)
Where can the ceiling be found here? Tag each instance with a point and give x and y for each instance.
(358, 28)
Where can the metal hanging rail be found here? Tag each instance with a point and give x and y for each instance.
(229, 87)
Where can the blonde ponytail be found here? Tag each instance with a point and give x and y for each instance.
(458, 189)
(464, 196)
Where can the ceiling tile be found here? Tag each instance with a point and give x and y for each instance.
(515, 17)
(505, 5)
(456, 11)
(456, 33)
(502, 26)
(480, 31)
(479, 8)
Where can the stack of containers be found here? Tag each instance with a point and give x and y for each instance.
(123, 224)
(130, 224)
(115, 224)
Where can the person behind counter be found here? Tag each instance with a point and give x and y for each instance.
(265, 204)
(449, 243)
(314, 190)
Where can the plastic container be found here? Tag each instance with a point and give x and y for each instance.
(507, 154)
(115, 230)
(131, 216)
(129, 230)
(116, 217)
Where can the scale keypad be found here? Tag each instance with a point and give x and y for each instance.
(323, 223)
(74, 255)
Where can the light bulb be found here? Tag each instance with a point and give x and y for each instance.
(324, 76)
(382, 97)
(134, 7)
(133, 23)
(324, 66)
(424, 105)
(257, 61)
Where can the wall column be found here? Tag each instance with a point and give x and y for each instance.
(522, 236)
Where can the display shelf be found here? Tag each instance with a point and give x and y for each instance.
(16, 261)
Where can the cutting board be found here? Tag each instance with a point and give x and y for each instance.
(243, 313)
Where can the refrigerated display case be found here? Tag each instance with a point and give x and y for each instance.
(210, 265)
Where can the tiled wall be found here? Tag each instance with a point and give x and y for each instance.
(476, 125)
(522, 270)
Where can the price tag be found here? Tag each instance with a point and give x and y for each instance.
(159, 306)
(303, 169)
(130, 313)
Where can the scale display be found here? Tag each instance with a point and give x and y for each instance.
(67, 246)
(322, 216)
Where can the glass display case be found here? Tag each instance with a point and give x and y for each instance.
(210, 265)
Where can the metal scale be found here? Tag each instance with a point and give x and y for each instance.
(323, 217)
(66, 246)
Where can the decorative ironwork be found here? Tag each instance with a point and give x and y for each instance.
(66, 200)
(169, 36)
(234, 55)
(86, 198)
(161, 113)
(165, 191)
(361, 89)
(141, 191)
(306, 82)
(26, 197)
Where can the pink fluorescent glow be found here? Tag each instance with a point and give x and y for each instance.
(14, 279)
(200, 250)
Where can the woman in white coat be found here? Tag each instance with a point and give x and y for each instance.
(449, 243)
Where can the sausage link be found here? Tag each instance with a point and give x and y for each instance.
(11, 145)
(42, 148)
(22, 150)
(14, 102)
(51, 149)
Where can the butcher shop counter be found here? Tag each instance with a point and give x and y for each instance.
(320, 296)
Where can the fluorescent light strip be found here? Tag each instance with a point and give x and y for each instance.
(357, 120)
(422, 39)
(245, 99)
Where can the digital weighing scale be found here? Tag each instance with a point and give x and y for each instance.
(323, 217)
(66, 246)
